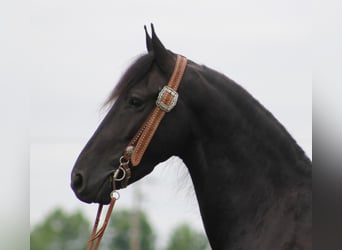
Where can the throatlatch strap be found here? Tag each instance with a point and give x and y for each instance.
(166, 101)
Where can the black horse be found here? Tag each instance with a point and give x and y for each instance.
(252, 181)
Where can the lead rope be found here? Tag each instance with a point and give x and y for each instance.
(96, 236)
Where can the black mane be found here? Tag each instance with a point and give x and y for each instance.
(136, 71)
(263, 125)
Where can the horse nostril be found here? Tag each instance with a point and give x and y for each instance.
(77, 181)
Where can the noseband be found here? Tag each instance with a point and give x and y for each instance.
(166, 101)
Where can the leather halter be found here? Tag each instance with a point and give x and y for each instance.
(166, 101)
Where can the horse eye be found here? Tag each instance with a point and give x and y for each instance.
(135, 102)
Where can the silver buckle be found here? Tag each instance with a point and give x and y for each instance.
(164, 106)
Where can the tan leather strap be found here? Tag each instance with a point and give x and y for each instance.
(166, 101)
(96, 236)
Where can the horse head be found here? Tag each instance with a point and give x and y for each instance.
(131, 102)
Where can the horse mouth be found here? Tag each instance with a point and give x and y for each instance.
(99, 191)
(102, 196)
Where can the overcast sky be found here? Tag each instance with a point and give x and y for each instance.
(81, 48)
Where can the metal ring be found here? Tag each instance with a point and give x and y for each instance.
(123, 161)
(115, 194)
(116, 173)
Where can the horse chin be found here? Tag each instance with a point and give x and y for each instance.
(103, 199)
(103, 196)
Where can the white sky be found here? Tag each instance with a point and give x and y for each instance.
(81, 48)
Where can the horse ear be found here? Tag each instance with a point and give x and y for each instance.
(148, 40)
(165, 59)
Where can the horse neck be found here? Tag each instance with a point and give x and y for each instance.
(239, 157)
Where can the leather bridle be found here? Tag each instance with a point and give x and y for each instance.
(166, 101)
